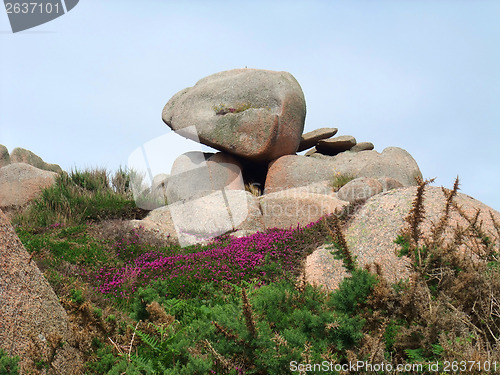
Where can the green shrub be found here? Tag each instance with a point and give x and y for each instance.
(353, 291)
(103, 362)
(185, 310)
(8, 365)
(264, 331)
(76, 296)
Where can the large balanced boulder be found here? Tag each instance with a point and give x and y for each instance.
(33, 324)
(20, 183)
(4, 156)
(21, 155)
(256, 114)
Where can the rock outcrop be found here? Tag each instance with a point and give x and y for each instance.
(360, 188)
(256, 118)
(33, 324)
(256, 114)
(20, 183)
(298, 170)
(293, 171)
(4, 156)
(372, 232)
(20, 155)
(296, 207)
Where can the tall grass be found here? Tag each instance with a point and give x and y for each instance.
(82, 196)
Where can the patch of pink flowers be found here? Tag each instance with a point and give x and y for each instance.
(241, 259)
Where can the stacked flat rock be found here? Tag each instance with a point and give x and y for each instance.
(320, 141)
(362, 146)
(334, 146)
(310, 139)
(255, 114)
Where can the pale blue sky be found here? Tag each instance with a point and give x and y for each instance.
(88, 88)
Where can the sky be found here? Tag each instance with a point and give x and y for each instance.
(88, 88)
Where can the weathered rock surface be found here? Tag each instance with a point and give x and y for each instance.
(203, 217)
(256, 114)
(322, 269)
(335, 145)
(192, 174)
(215, 214)
(20, 183)
(310, 139)
(20, 155)
(297, 170)
(362, 146)
(389, 183)
(371, 234)
(392, 162)
(289, 208)
(360, 188)
(4, 156)
(32, 321)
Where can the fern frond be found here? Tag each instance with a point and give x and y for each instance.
(144, 364)
(149, 340)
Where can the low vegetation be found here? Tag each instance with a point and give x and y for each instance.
(241, 306)
(340, 179)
